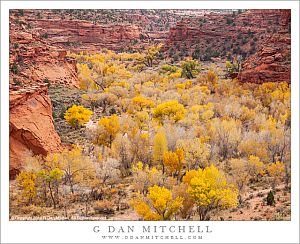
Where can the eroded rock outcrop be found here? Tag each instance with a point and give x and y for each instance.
(272, 63)
(226, 34)
(33, 60)
(31, 127)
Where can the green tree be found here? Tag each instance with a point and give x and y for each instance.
(190, 68)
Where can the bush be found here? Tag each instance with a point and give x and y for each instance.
(47, 81)
(21, 12)
(15, 69)
(190, 68)
(17, 82)
(270, 199)
(103, 207)
(45, 35)
(229, 21)
(77, 115)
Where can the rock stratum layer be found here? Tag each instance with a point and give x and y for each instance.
(31, 128)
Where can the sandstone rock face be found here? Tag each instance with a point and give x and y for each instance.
(31, 126)
(272, 63)
(33, 60)
(261, 37)
(91, 37)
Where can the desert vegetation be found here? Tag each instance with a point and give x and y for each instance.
(157, 140)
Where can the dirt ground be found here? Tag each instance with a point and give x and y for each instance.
(254, 207)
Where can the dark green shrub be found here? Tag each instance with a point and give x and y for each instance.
(270, 199)
(15, 69)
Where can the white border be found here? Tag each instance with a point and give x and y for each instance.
(81, 232)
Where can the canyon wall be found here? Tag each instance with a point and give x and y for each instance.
(31, 127)
(261, 37)
(272, 62)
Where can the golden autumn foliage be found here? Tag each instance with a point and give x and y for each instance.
(226, 134)
(142, 118)
(160, 146)
(255, 167)
(210, 190)
(188, 203)
(240, 174)
(151, 54)
(158, 205)
(172, 110)
(86, 81)
(77, 115)
(77, 167)
(141, 102)
(276, 171)
(174, 160)
(145, 177)
(164, 135)
(108, 129)
(27, 182)
(196, 153)
(212, 80)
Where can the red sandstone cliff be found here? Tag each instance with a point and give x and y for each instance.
(31, 126)
(272, 63)
(262, 37)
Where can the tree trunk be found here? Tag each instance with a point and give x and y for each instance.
(51, 194)
(86, 208)
(71, 185)
(240, 199)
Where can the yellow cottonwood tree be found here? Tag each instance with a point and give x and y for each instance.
(196, 153)
(210, 190)
(172, 110)
(188, 203)
(276, 171)
(226, 134)
(151, 53)
(77, 115)
(174, 161)
(108, 129)
(160, 146)
(145, 177)
(255, 167)
(27, 182)
(51, 179)
(158, 205)
(240, 175)
(86, 81)
(77, 167)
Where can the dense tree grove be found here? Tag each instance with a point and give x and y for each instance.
(174, 141)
